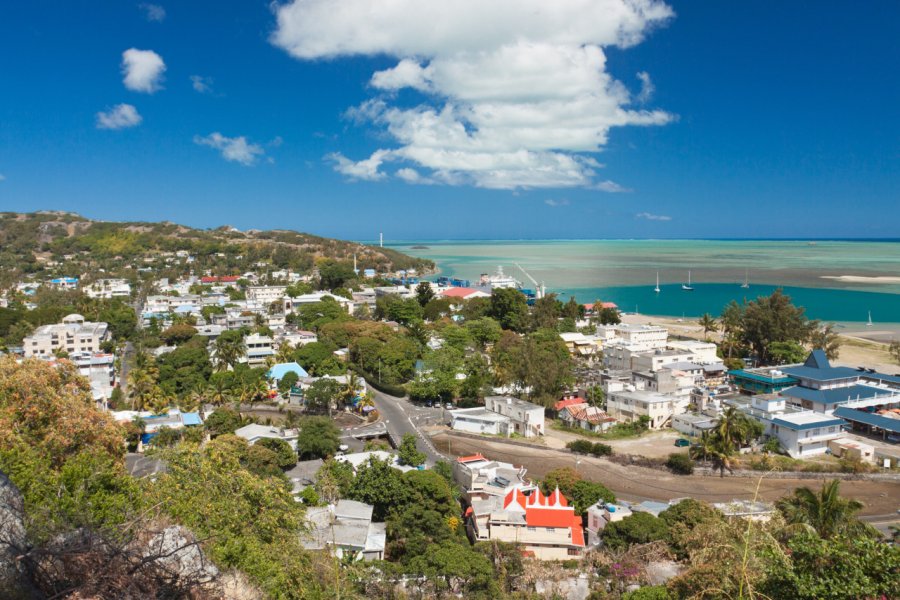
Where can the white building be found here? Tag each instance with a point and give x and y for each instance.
(259, 349)
(347, 527)
(629, 406)
(479, 420)
(525, 418)
(255, 432)
(482, 478)
(266, 294)
(703, 352)
(292, 303)
(639, 337)
(108, 288)
(73, 335)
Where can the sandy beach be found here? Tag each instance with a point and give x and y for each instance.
(862, 345)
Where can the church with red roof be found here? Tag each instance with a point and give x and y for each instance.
(545, 526)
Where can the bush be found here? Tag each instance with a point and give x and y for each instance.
(639, 528)
(680, 464)
(600, 449)
(649, 592)
(287, 458)
(386, 388)
(580, 446)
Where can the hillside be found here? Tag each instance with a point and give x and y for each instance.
(50, 243)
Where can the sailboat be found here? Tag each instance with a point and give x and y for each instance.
(746, 279)
(869, 324)
(687, 286)
(656, 289)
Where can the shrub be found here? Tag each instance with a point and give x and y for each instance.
(639, 528)
(600, 449)
(580, 446)
(650, 592)
(680, 464)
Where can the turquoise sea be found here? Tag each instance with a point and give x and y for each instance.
(834, 280)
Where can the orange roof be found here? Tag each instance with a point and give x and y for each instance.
(561, 404)
(577, 532)
(602, 305)
(470, 458)
(458, 292)
(516, 496)
(548, 517)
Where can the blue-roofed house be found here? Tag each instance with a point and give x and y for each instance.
(277, 372)
(765, 380)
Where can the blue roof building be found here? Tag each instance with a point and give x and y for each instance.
(277, 372)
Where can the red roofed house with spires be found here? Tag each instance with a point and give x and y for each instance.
(544, 525)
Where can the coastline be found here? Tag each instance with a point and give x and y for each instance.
(862, 345)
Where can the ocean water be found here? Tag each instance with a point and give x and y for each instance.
(624, 272)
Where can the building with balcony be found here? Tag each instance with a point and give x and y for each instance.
(73, 335)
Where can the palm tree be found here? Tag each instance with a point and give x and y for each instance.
(229, 350)
(285, 352)
(708, 323)
(702, 449)
(711, 448)
(218, 392)
(731, 319)
(140, 386)
(352, 386)
(734, 428)
(827, 339)
(827, 513)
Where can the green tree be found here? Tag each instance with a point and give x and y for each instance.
(334, 480)
(424, 293)
(322, 395)
(827, 339)
(319, 437)
(485, 331)
(285, 455)
(826, 512)
(437, 308)
(229, 349)
(786, 352)
(335, 274)
(223, 421)
(835, 568)
(379, 484)
(546, 312)
(638, 528)
(509, 307)
(708, 323)
(773, 319)
(178, 334)
(318, 359)
(587, 493)
(408, 453)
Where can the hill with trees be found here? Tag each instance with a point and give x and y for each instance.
(52, 243)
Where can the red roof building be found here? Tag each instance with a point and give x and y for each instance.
(568, 401)
(463, 293)
(545, 526)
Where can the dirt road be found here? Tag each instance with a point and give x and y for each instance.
(640, 483)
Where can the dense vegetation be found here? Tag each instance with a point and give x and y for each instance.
(30, 242)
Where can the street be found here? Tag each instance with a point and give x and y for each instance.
(401, 417)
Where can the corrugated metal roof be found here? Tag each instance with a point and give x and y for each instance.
(875, 420)
(834, 396)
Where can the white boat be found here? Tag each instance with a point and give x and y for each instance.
(869, 324)
(746, 279)
(687, 286)
(656, 289)
(499, 280)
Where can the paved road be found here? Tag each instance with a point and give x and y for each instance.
(401, 417)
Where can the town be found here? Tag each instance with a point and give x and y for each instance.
(426, 429)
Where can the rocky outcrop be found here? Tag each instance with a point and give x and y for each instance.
(13, 542)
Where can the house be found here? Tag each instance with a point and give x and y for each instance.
(600, 515)
(693, 424)
(64, 283)
(357, 459)
(525, 418)
(174, 419)
(72, 335)
(278, 371)
(259, 349)
(581, 345)
(545, 527)
(628, 405)
(290, 304)
(108, 288)
(766, 380)
(266, 294)
(746, 509)
(802, 433)
(347, 527)
(479, 420)
(481, 478)
(255, 432)
(852, 449)
(587, 417)
(462, 293)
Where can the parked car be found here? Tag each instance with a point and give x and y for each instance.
(682, 443)
(449, 406)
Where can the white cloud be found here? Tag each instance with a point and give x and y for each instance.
(202, 84)
(119, 116)
(2, 177)
(143, 70)
(515, 93)
(554, 203)
(153, 12)
(236, 149)
(366, 170)
(611, 186)
(647, 87)
(652, 217)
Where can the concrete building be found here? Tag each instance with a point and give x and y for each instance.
(630, 405)
(108, 288)
(581, 345)
(693, 424)
(638, 337)
(600, 515)
(481, 478)
(525, 418)
(346, 527)
(73, 335)
(545, 527)
(585, 416)
(266, 294)
(255, 432)
(479, 420)
(259, 349)
(290, 304)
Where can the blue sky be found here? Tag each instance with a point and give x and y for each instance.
(463, 119)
